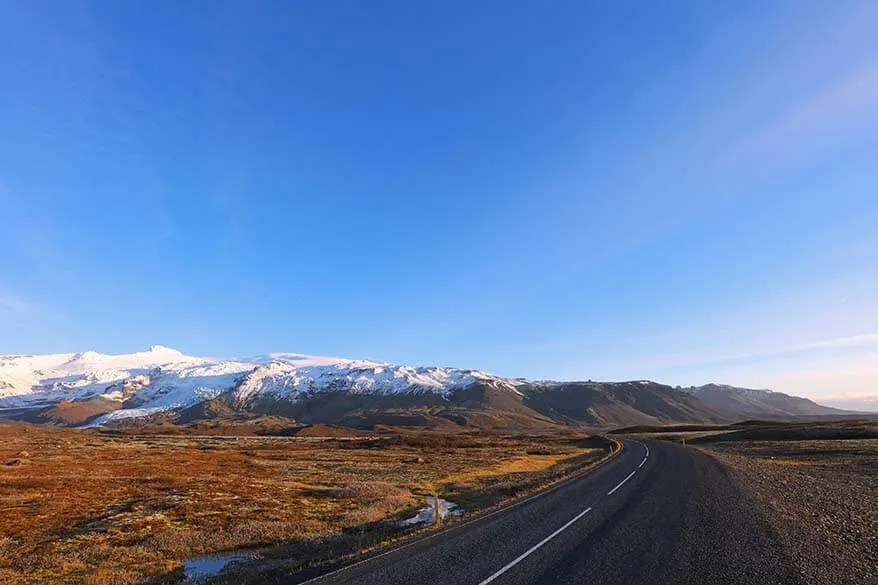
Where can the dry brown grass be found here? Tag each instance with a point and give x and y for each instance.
(87, 507)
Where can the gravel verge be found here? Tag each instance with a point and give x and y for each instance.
(820, 496)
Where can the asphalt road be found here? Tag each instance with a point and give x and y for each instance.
(657, 513)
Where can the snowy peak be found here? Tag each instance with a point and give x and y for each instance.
(306, 387)
(163, 379)
(163, 349)
(302, 360)
(713, 387)
(84, 356)
(285, 378)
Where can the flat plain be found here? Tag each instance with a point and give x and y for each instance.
(821, 497)
(86, 506)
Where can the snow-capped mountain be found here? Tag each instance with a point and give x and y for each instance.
(163, 379)
(96, 389)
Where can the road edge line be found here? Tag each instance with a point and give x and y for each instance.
(484, 515)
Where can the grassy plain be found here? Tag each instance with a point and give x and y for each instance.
(96, 507)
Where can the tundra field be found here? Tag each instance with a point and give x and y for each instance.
(107, 507)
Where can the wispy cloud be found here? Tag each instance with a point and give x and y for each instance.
(10, 303)
(717, 356)
(844, 110)
(846, 380)
(849, 341)
(861, 403)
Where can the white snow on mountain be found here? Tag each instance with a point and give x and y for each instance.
(290, 378)
(754, 392)
(159, 375)
(162, 379)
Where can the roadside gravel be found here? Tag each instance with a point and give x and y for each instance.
(821, 497)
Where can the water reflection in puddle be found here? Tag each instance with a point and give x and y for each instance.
(198, 570)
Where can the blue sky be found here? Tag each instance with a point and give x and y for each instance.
(683, 191)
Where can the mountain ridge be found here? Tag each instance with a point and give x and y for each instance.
(759, 402)
(163, 383)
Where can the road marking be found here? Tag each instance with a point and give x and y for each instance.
(456, 527)
(529, 551)
(630, 475)
(535, 547)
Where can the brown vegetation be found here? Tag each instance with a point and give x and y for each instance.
(70, 412)
(98, 507)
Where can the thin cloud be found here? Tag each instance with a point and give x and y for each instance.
(10, 303)
(844, 111)
(850, 341)
(860, 340)
(862, 403)
(857, 380)
(865, 339)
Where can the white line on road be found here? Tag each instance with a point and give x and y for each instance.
(535, 547)
(630, 475)
(562, 529)
(456, 527)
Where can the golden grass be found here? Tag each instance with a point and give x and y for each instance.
(778, 461)
(87, 507)
(528, 463)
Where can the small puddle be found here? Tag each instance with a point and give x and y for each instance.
(198, 570)
(428, 515)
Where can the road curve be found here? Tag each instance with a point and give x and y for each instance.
(657, 513)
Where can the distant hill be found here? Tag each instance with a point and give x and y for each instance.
(486, 404)
(752, 403)
(620, 403)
